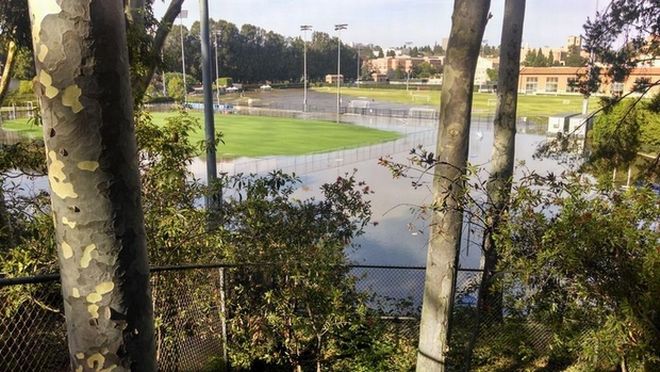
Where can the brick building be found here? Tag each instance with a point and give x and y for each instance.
(558, 80)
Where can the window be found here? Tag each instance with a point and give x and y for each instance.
(617, 88)
(551, 84)
(531, 84)
(572, 85)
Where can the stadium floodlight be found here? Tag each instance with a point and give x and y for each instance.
(304, 29)
(338, 28)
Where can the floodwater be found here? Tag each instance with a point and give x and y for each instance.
(398, 238)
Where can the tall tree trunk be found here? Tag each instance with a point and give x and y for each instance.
(468, 22)
(5, 79)
(86, 106)
(6, 230)
(501, 173)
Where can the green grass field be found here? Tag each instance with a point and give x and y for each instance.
(534, 106)
(261, 136)
(22, 126)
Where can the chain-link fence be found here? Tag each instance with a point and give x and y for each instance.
(195, 306)
(188, 310)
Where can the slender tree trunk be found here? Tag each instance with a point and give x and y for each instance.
(86, 106)
(468, 23)
(501, 173)
(5, 79)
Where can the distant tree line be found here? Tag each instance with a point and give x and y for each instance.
(252, 54)
(536, 58)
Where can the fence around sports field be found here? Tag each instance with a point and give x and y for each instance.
(32, 323)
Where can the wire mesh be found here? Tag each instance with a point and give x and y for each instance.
(32, 330)
(190, 327)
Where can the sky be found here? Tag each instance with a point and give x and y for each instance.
(391, 23)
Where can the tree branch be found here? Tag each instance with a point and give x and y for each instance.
(6, 71)
(141, 83)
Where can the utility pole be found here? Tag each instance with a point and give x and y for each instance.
(304, 29)
(212, 200)
(183, 14)
(338, 28)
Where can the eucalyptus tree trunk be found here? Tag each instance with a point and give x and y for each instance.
(5, 78)
(501, 172)
(468, 22)
(83, 85)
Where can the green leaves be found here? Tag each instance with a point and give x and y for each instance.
(591, 265)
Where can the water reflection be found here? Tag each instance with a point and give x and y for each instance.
(392, 241)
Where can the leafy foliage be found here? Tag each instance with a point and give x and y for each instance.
(634, 22)
(299, 307)
(175, 87)
(589, 267)
(616, 135)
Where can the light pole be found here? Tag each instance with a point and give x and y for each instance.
(183, 14)
(304, 29)
(408, 43)
(338, 28)
(217, 85)
(408, 78)
(212, 201)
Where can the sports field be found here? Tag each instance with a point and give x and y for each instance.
(262, 136)
(535, 106)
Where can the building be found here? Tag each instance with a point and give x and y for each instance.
(578, 125)
(559, 54)
(379, 78)
(559, 123)
(481, 72)
(332, 78)
(387, 65)
(561, 80)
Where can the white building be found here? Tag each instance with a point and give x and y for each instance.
(559, 123)
(481, 73)
(578, 125)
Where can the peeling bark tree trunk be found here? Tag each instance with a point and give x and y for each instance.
(86, 106)
(7, 69)
(501, 173)
(468, 22)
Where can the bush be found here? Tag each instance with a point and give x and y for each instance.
(174, 83)
(224, 82)
(25, 87)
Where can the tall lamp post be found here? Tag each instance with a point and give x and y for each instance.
(304, 29)
(408, 69)
(183, 14)
(212, 201)
(338, 28)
